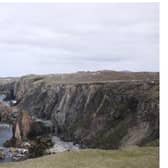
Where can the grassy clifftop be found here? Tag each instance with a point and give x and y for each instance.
(92, 77)
(134, 157)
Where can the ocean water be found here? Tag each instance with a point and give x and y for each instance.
(2, 97)
(5, 134)
(5, 129)
(8, 103)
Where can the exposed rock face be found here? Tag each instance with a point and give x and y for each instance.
(121, 109)
(7, 87)
(22, 126)
(27, 127)
(7, 114)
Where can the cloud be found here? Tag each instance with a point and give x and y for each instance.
(54, 38)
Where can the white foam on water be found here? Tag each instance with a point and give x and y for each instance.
(61, 146)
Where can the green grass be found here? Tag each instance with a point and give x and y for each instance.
(134, 157)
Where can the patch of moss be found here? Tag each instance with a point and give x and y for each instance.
(112, 138)
(153, 143)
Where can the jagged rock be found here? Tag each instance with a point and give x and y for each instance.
(40, 127)
(25, 145)
(10, 143)
(39, 146)
(22, 126)
(2, 155)
(103, 109)
(18, 154)
(6, 113)
(7, 86)
(26, 132)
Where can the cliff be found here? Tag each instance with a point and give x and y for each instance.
(7, 86)
(104, 109)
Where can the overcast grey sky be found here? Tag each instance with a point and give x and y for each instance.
(59, 38)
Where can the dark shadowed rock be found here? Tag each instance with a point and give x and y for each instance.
(40, 128)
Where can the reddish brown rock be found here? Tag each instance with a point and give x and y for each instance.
(22, 126)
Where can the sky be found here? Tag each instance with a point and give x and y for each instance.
(49, 38)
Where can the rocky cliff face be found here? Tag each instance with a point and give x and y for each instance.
(116, 110)
(7, 86)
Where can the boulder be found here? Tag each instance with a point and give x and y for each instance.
(40, 128)
(39, 146)
(2, 155)
(22, 126)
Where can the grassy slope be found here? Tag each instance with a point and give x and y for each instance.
(147, 157)
(91, 77)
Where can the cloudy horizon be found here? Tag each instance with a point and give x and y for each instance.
(64, 38)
